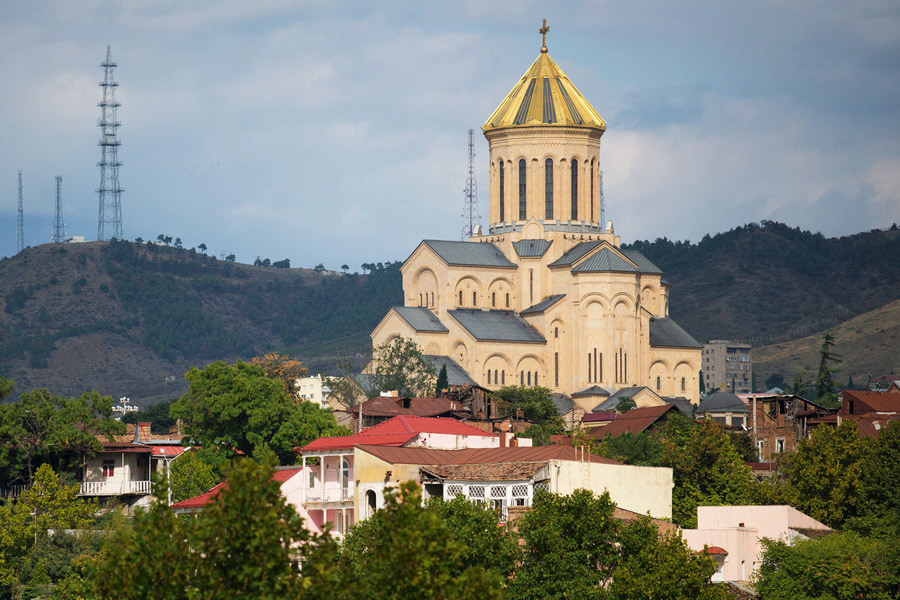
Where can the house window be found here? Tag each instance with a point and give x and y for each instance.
(109, 468)
(496, 381)
(531, 286)
(432, 298)
(759, 449)
(737, 421)
(548, 189)
(589, 367)
(779, 445)
(535, 378)
(502, 191)
(574, 189)
(312, 478)
(345, 470)
(522, 188)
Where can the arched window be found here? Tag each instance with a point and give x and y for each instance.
(370, 503)
(502, 191)
(522, 189)
(460, 297)
(489, 377)
(420, 300)
(432, 298)
(345, 471)
(495, 377)
(556, 369)
(493, 299)
(521, 377)
(502, 378)
(548, 189)
(531, 286)
(556, 332)
(535, 378)
(507, 300)
(529, 377)
(474, 298)
(657, 384)
(683, 384)
(574, 189)
(592, 189)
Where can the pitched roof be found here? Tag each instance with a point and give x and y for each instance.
(643, 263)
(390, 406)
(543, 304)
(425, 456)
(420, 318)
(594, 390)
(280, 475)
(396, 431)
(531, 248)
(722, 402)
(682, 404)
(471, 254)
(562, 403)
(666, 333)
(574, 253)
(496, 325)
(604, 261)
(544, 97)
(512, 471)
(456, 375)
(620, 394)
(635, 420)
(876, 401)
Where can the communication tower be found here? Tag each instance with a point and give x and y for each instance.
(109, 224)
(470, 207)
(20, 223)
(59, 227)
(602, 204)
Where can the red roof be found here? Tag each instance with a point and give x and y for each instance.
(715, 550)
(635, 420)
(281, 475)
(883, 402)
(167, 450)
(606, 415)
(389, 406)
(396, 431)
(470, 456)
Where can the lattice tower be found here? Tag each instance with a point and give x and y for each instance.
(59, 227)
(20, 222)
(109, 223)
(470, 214)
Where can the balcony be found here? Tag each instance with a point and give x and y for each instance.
(329, 494)
(115, 488)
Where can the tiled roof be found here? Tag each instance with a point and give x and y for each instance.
(389, 406)
(604, 261)
(513, 471)
(531, 248)
(572, 255)
(605, 415)
(420, 318)
(425, 456)
(471, 254)
(875, 401)
(496, 325)
(666, 333)
(456, 375)
(281, 475)
(635, 420)
(395, 432)
(643, 263)
(543, 304)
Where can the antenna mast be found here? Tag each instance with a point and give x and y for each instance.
(602, 203)
(109, 224)
(20, 224)
(59, 228)
(470, 207)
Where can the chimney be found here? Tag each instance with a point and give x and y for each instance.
(142, 433)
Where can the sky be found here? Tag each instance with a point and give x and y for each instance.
(336, 132)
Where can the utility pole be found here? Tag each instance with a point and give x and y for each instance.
(109, 223)
(470, 207)
(20, 223)
(59, 227)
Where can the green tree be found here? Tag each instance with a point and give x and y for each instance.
(625, 404)
(642, 449)
(6, 387)
(442, 382)
(799, 386)
(399, 365)
(826, 387)
(237, 407)
(531, 404)
(880, 484)
(190, 476)
(156, 414)
(570, 547)
(836, 567)
(775, 380)
(202, 248)
(406, 550)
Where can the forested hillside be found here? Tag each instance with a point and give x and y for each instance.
(767, 282)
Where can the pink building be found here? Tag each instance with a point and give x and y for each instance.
(733, 534)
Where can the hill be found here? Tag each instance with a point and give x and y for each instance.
(869, 343)
(130, 319)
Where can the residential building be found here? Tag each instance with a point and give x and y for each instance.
(381, 408)
(636, 420)
(547, 296)
(727, 367)
(725, 408)
(287, 477)
(870, 410)
(777, 422)
(314, 389)
(736, 532)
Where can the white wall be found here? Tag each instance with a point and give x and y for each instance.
(639, 489)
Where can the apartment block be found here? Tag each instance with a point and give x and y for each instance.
(727, 367)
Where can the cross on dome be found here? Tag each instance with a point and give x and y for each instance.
(543, 31)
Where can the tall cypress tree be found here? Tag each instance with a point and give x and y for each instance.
(826, 387)
(442, 382)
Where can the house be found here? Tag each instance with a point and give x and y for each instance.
(725, 408)
(635, 420)
(381, 408)
(642, 396)
(571, 413)
(777, 422)
(870, 410)
(287, 477)
(732, 535)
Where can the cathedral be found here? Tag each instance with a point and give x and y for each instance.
(547, 296)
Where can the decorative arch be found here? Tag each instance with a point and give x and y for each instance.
(659, 370)
(530, 371)
(467, 285)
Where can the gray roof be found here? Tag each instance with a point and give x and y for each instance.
(543, 304)
(562, 403)
(722, 402)
(531, 248)
(683, 405)
(420, 318)
(641, 261)
(613, 401)
(594, 390)
(574, 253)
(456, 375)
(666, 333)
(603, 261)
(472, 254)
(665, 281)
(496, 325)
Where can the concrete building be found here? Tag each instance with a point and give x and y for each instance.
(547, 296)
(728, 367)
(314, 389)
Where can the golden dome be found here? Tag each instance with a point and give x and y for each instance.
(544, 97)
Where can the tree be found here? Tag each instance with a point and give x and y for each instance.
(775, 380)
(281, 367)
(570, 542)
(202, 248)
(345, 268)
(236, 407)
(625, 404)
(282, 264)
(178, 243)
(641, 449)
(442, 382)
(319, 269)
(6, 387)
(532, 404)
(800, 385)
(266, 262)
(168, 240)
(836, 567)
(230, 258)
(161, 238)
(139, 240)
(190, 476)
(826, 387)
(156, 414)
(399, 365)
(880, 481)
(406, 550)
